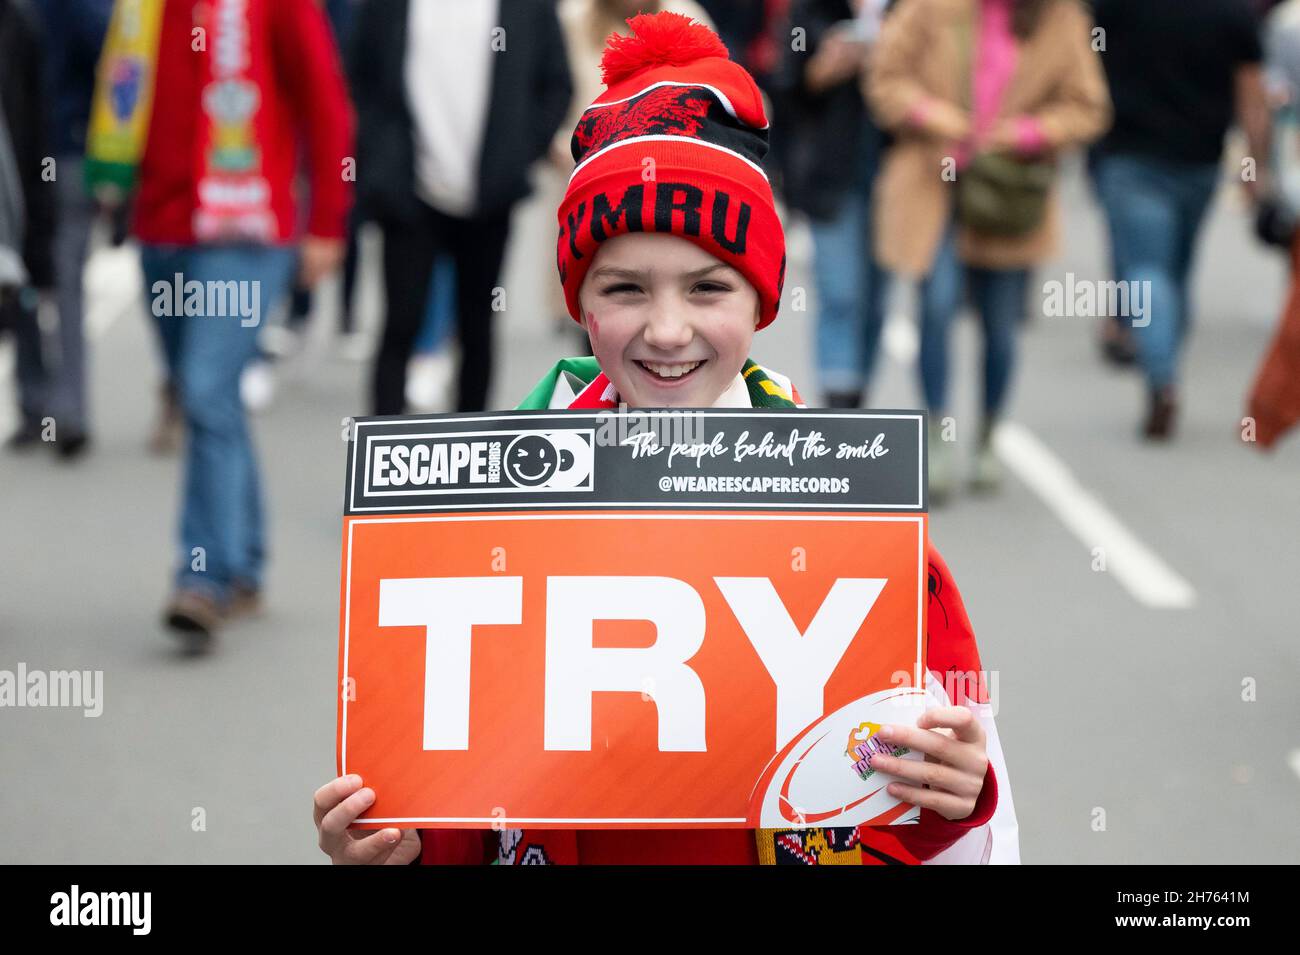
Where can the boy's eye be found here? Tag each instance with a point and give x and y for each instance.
(711, 287)
(620, 288)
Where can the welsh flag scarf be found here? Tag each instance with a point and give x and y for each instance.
(578, 383)
(230, 47)
(581, 381)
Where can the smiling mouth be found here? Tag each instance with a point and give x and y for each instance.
(529, 477)
(670, 372)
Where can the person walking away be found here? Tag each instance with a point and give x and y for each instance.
(456, 100)
(982, 96)
(216, 212)
(1180, 71)
(28, 212)
(74, 32)
(833, 185)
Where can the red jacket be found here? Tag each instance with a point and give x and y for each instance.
(950, 647)
(305, 95)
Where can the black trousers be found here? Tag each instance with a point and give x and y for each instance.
(477, 247)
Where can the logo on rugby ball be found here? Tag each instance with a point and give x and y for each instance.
(808, 783)
(865, 744)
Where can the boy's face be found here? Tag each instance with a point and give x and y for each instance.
(670, 324)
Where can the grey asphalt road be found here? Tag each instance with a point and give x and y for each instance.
(1111, 710)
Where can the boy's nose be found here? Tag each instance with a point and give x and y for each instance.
(668, 328)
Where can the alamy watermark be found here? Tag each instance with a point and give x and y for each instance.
(649, 429)
(210, 299)
(131, 910)
(961, 687)
(82, 689)
(1085, 298)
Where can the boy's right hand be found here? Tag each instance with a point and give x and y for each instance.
(337, 805)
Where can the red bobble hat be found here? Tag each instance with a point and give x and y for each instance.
(674, 144)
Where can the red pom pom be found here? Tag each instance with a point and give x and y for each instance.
(660, 39)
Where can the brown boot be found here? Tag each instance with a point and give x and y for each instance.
(1162, 411)
(194, 615)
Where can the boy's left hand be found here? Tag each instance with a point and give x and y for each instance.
(955, 761)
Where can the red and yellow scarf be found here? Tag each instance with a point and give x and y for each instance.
(234, 198)
(231, 49)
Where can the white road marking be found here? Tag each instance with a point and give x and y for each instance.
(1137, 568)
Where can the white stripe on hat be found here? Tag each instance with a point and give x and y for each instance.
(661, 137)
(722, 97)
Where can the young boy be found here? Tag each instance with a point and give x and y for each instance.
(671, 256)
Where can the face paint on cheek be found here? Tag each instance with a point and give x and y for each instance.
(593, 326)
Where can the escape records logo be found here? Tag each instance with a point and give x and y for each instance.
(474, 462)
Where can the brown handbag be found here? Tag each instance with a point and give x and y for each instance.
(1003, 195)
(999, 193)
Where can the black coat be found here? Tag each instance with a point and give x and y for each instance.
(827, 141)
(530, 94)
(24, 93)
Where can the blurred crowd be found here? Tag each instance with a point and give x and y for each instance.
(243, 144)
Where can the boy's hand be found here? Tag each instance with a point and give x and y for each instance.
(337, 805)
(955, 761)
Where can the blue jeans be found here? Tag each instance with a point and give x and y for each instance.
(1155, 209)
(850, 296)
(998, 296)
(440, 314)
(221, 511)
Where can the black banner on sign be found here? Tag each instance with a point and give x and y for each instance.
(781, 458)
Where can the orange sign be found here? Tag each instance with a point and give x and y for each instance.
(639, 669)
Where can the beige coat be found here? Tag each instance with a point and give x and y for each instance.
(1058, 80)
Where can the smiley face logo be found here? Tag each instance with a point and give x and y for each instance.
(531, 460)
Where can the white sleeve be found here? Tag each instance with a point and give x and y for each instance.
(1005, 828)
(998, 841)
